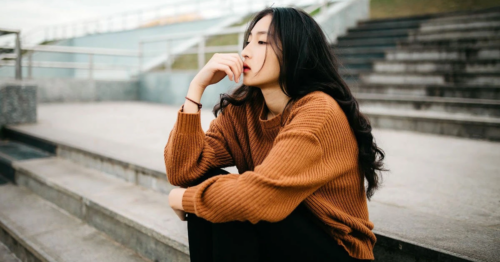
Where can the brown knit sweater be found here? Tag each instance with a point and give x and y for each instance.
(313, 159)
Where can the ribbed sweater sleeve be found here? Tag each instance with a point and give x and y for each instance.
(294, 168)
(190, 152)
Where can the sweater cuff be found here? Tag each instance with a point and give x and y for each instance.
(188, 122)
(188, 200)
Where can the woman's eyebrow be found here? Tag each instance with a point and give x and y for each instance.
(260, 32)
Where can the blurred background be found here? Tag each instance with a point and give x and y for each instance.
(89, 92)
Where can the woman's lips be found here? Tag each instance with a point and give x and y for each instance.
(246, 69)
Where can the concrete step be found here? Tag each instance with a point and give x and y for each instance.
(37, 230)
(444, 53)
(442, 66)
(360, 52)
(396, 33)
(440, 123)
(6, 255)
(371, 42)
(467, 17)
(453, 43)
(458, 91)
(454, 34)
(357, 63)
(432, 78)
(354, 71)
(383, 26)
(391, 23)
(463, 106)
(466, 24)
(112, 158)
(410, 227)
(136, 217)
(437, 17)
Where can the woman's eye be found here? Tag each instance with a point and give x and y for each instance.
(259, 42)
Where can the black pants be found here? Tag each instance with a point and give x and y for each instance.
(296, 238)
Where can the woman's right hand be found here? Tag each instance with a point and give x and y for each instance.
(220, 65)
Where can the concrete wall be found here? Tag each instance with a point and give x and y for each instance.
(171, 88)
(342, 16)
(17, 103)
(128, 40)
(80, 90)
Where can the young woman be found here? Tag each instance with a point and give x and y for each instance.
(302, 148)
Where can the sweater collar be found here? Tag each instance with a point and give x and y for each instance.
(273, 122)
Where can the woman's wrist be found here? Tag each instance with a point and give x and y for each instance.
(195, 93)
(175, 198)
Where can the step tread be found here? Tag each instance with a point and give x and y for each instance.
(53, 234)
(139, 207)
(431, 115)
(6, 255)
(442, 61)
(464, 240)
(351, 35)
(458, 73)
(445, 48)
(456, 100)
(452, 86)
(361, 50)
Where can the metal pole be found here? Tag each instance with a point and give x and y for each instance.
(168, 64)
(240, 42)
(323, 7)
(30, 65)
(201, 52)
(140, 57)
(18, 72)
(91, 65)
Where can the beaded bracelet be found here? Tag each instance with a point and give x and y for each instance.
(198, 104)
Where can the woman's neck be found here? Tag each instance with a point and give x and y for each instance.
(275, 101)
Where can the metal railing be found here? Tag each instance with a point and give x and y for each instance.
(169, 13)
(200, 50)
(90, 65)
(203, 36)
(17, 50)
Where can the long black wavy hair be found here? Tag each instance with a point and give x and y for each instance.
(307, 64)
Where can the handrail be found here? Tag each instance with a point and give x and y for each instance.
(164, 14)
(202, 35)
(200, 50)
(90, 51)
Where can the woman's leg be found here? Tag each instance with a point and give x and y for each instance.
(220, 242)
(298, 238)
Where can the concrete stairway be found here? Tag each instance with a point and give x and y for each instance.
(105, 190)
(77, 207)
(437, 74)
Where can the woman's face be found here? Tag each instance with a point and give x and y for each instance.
(254, 54)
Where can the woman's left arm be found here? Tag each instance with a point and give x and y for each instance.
(309, 152)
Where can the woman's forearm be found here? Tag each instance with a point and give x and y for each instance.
(175, 198)
(195, 92)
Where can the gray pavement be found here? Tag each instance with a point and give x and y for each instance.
(435, 182)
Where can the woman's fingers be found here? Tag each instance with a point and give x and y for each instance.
(231, 62)
(225, 68)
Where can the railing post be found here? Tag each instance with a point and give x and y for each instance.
(91, 65)
(201, 52)
(30, 65)
(168, 59)
(324, 6)
(240, 42)
(124, 22)
(140, 57)
(19, 72)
